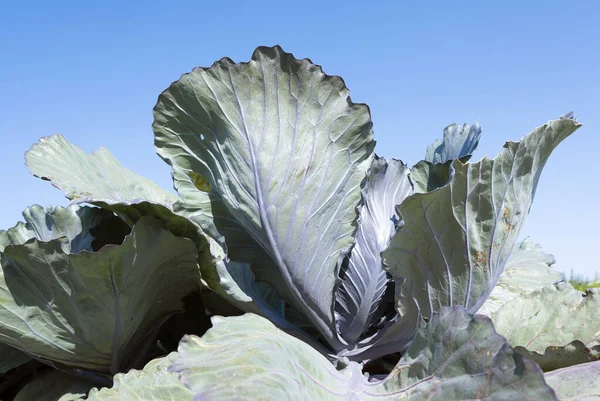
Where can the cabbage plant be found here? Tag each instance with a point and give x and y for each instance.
(294, 263)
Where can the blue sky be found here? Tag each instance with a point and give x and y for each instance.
(92, 71)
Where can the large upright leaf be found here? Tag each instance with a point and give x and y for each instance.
(363, 279)
(457, 239)
(458, 142)
(248, 279)
(576, 383)
(51, 301)
(457, 357)
(284, 149)
(557, 326)
(527, 269)
(204, 209)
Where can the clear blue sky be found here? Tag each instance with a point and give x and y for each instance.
(92, 71)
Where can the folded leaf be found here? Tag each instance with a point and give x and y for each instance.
(393, 334)
(436, 170)
(153, 383)
(527, 269)
(427, 176)
(283, 148)
(456, 240)
(457, 357)
(100, 179)
(576, 383)
(51, 301)
(458, 142)
(46, 224)
(363, 279)
(557, 326)
(267, 301)
(54, 385)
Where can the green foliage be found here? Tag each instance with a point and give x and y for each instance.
(583, 283)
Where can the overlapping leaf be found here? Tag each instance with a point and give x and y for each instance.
(557, 326)
(51, 301)
(248, 357)
(457, 239)
(527, 269)
(46, 224)
(363, 279)
(427, 176)
(101, 180)
(97, 177)
(267, 301)
(204, 208)
(153, 383)
(458, 142)
(283, 148)
(576, 383)
(234, 279)
(457, 357)
(461, 357)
